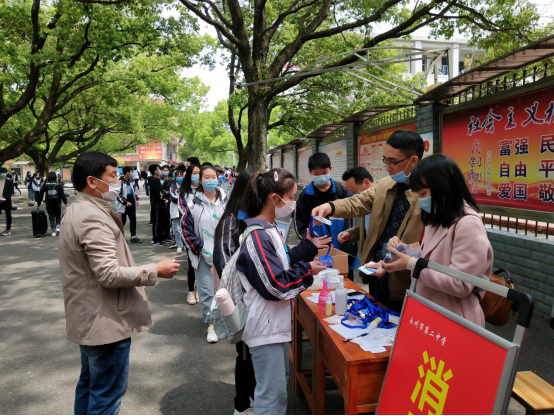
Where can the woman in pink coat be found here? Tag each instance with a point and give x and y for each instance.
(454, 236)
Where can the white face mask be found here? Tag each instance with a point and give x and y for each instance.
(286, 210)
(112, 193)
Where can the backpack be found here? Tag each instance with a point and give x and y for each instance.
(231, 327)
(52, 194)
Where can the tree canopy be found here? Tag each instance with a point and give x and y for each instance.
(73, 73)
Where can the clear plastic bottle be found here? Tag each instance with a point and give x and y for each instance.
(340, 299)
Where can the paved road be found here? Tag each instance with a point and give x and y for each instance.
(173, 369)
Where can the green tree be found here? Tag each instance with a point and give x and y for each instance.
(266, 36)
(53, 54)
(120, 113)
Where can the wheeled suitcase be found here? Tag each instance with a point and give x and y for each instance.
(40, 223)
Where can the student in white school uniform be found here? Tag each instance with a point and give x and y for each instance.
(199, 231)
(272, 275)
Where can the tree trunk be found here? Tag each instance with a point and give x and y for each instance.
(258, 118)
(41, 162)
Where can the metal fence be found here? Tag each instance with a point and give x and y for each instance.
(509, 81)
(532, 223)
(393, 116)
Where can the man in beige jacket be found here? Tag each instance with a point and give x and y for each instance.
(104, 296)
(394, 210)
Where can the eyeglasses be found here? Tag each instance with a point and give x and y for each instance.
(389, 163)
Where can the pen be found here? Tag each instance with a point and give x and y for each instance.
(358, 336)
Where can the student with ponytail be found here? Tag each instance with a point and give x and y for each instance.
(187, 192)
(199, 230)
(272, 275)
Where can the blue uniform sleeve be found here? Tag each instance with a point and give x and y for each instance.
(227, 244)
(190, 239)
(304, 251)
(262, 266)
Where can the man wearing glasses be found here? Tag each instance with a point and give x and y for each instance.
(394, 210)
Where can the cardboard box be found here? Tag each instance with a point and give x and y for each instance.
(339, 257)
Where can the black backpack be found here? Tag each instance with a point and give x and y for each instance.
(52, 194)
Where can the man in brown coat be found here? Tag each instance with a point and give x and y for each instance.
(394, 210)
(104, 296)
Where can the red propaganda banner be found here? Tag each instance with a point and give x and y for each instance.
(506, 150)
(440, 367)
(151, 151)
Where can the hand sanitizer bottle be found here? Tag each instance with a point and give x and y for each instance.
(340, 300)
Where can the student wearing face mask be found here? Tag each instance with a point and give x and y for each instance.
(357, 180)
(394, 212)
(272, 275)
(128, 202)
(187, 192)
(454, 237)
(6, 192)
(157, 205)
(324, 189)
(104, 296)
(174, 209)
(199, 231)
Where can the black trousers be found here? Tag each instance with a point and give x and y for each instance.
(191, 277)
(160, 231)
(245, 380)
(54, 211)
(130, 212)
(7, 206)
(137, 184)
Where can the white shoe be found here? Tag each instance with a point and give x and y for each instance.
(249, 411)
(179, 250)
(54, 234)
(212, 336)
(191, 299)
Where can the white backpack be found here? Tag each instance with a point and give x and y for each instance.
(232, 326)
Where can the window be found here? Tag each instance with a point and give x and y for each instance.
(444, 65)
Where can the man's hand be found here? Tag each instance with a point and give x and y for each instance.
(167, 268)
(129, 204)
(343, 237)
(166, 202)
(319, 242)
(321, 211)
(317, 267)
(137, 204)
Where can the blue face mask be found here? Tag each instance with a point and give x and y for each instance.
(426, 204)
(165, 173)
(401, 177)
(210, 186)
(179, 180)
(195, 179)
(4, 175)
(321, 180)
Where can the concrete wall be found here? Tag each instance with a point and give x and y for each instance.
(530, 260)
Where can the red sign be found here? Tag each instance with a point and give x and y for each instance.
(506, 150)
(440, 367)
(151, 151)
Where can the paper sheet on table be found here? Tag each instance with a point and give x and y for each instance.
(314, 297)
(377, 338)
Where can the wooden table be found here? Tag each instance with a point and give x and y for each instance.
(359, 375)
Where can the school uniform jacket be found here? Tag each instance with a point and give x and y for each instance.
(123, 197)
(270, 281)
(199, 226)
(307, 201)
